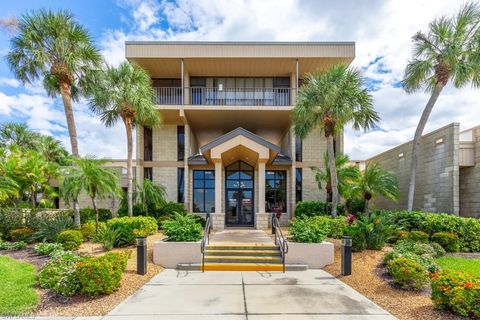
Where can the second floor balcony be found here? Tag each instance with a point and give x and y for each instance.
(221, 96)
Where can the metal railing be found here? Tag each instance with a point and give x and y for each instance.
(240, 96)
(205, 239)
(167, 95)
(280, 240)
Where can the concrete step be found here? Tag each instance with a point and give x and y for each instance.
(242, 246)
(241, 267)
(243, 259)
(227, 252)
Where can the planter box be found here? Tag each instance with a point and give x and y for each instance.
(170, 254)
(315, 255)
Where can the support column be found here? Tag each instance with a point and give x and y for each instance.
(218, 218)
(261, 217)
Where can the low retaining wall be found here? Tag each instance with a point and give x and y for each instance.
(315, 255)
(170, 254)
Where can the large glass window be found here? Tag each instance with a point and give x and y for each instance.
(148, 173)
(276, 190)
(298, 149)
(147, 144)
(180, 143)
(180, 185)
(203, 191)
(298, 185)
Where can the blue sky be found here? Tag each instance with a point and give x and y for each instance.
(381, 29)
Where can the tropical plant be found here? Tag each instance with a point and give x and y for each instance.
(346, 175)
(369, 232)
(53, 46)
(148, 199)
(17, 134)
(89, 175)
(449, 51)
(329, 101)
(50, 227)
(374, 181)
(108, 237)
(309, 229)
(125, 93)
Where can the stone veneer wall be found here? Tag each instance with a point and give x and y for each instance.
(437, 177)
(470, 183)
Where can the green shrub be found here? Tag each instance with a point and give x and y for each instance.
(50, 227)
(46, 248)
(336, 227)
(469, 234)
(355, 205)
(108, 237)
(10, 219)
(397, 235)
(408, 273)
(309, 229)
(369, 232)
(88, 214)
(19, 245)
(138, 210)
(59, 274)
(426, 261)
(21, 234)
(439, 251)
(118, 261)
(182, 228)
(449, 241)
(456, 291)
(70, 239)
(316, 208)
(406, 220)
(418, 236)
(129, 227)
(169, 209)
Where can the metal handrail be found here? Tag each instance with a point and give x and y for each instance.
(239, 96)
(279, 238)
(205, 239)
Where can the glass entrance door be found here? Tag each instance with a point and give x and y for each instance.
(239, 194)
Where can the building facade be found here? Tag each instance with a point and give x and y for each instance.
(226, 144)
(448, 172)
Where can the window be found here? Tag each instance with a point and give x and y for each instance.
(203, 191)
(147, 144)
(298, 185)
(180, 143)
(276, 190)
(298, 149)
(180, 185)
(148, 173)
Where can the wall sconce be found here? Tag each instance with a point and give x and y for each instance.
(400, 155)
(439, 141)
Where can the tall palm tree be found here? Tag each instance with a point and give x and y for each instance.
(9, 188)
(52, 46)
(89, 175)
(125, 93)
(19, 134)
(374, 181)
(346, 174)
(52, 150)
(449, 51)
(329, 101)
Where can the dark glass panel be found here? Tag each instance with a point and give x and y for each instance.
(209, 184)
(209, 174)
(198, 174)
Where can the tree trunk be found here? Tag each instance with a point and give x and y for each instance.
(416, 142)
(333, 174)
(128, 127)
(367, 207)
(72, 132)
(32, 199)
(76, 214)
(96, 214)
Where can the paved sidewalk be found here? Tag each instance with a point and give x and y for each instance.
(192, 295)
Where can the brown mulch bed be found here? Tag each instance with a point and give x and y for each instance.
(368, 277)
(54, 305)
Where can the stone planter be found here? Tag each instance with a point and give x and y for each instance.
(315, 255)
(170, 254)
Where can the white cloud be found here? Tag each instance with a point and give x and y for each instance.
(9, 82)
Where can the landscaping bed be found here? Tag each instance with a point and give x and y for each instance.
(370, 279)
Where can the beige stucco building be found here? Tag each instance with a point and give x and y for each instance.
(448, 172)
(226, 144)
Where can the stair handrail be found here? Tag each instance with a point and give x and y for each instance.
(279, 238)
(205, 239)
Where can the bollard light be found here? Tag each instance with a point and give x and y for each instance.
(346, 256)
(141, 255)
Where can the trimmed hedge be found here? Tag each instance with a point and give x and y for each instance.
(88, 214)
(70, 239)
(21, 234)
(449, 241)
(316, 208)
(408, 273)
(418, 236)
(183, 227)
(128, 228)
(309, 229)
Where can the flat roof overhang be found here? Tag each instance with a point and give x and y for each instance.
(163, 59)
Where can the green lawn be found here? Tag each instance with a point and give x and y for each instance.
(460, 264)
(17, 295)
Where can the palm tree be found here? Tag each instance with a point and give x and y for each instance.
(449, 51)
(346, 174)
(52, 150)
(90, 176)
(329, 101)
(125, 93)
(9, 188)
(54, 47)
(17, 134)
(374, 181)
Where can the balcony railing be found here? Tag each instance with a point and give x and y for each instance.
(225, 96)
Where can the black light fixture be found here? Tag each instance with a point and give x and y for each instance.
(141, 255)
(346, 256)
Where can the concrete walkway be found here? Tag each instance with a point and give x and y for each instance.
(249, 236)
(313, 294)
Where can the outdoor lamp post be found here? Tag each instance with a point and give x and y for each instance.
(141, 255)
(346, 256)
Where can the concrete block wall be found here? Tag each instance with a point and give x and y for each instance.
(437, 177)
(470, 183)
